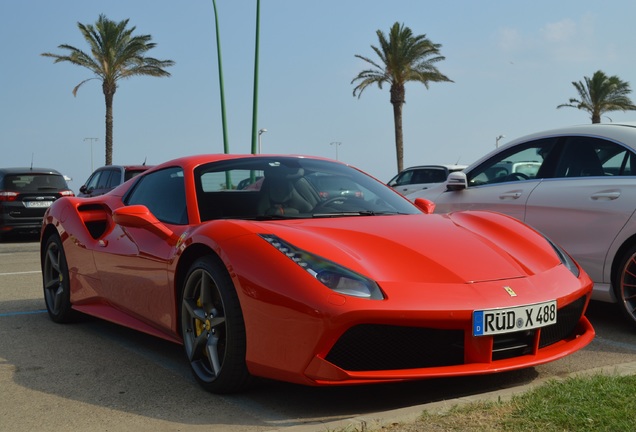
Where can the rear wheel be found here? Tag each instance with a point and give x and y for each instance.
(57, 290)
(213, 329)
(625, 286)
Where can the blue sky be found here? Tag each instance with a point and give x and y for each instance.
(512, 63)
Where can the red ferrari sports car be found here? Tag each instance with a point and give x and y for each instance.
(239, 259)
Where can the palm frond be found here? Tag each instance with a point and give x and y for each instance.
(600, 94)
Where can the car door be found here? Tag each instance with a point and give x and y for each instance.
(589, 200)
(103, 185)
(134, 263)
(87, 189)
(502, 183)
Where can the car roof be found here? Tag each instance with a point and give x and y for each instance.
(28, 170)
(126, 167)
(191, 162)
(447, 166)
(623, 132)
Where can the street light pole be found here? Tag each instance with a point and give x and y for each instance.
(497, 140)
(337, 144)
(91, 141)
(260, 132)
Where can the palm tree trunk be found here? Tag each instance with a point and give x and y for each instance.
(109, 94)
(399, 139)
(397, 100)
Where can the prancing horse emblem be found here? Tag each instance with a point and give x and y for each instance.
(510, 291)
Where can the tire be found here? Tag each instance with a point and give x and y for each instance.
(625, 286)
(56, 282)
(213, 328)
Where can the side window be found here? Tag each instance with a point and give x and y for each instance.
(521, 162)
(92, 181)
(104, 178)
(616, 160)
(163, 192)
(404, 178)
(115, 179)
(586, 156)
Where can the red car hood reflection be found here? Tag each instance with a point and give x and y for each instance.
(391, 247)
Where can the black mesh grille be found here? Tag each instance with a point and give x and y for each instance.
(510, 345)
(384, 347)
(567, 319)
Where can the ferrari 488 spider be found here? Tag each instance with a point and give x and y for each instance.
(242, 261)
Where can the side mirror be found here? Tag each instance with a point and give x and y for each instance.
(427, 206)
(138, 216)
(456, 181)
(83, 189)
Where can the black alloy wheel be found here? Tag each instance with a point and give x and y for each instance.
(213, 329)
(56, 282)
(625, 288)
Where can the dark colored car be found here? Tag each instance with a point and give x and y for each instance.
(25, 194)
(108, 177)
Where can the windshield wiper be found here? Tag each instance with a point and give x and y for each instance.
(354, 213)
(279, 217)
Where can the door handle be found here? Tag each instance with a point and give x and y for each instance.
(510, 195)
(606, 196)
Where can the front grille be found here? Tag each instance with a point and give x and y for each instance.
(368, 347)
(384, 347)
(509, 345)
(567, 319)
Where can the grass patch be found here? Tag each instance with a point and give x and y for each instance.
(593, 403)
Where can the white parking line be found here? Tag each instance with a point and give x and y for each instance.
(19, 273)
(10, 314)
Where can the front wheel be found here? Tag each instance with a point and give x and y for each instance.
(213, 328)
(56, 282)
(625, 286)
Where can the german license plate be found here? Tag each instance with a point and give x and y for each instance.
(38, 204)
(507, 320)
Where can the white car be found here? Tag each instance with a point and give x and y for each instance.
(421, 177)
(577, 185)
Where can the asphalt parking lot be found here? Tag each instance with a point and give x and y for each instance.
(96, 376)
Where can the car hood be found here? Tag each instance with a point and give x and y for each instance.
(463, 247)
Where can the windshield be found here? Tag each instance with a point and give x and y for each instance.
(34, 182)
(291, 187)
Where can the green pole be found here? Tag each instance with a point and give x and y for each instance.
(255, 104)
(226, 146)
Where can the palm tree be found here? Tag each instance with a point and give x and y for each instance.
(403, 57)
(115, 54)
(601, 94)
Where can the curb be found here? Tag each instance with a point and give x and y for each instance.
(375, 421)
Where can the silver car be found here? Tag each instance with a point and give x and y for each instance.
(577, 185)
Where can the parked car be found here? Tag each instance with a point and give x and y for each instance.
(108, 177)
(25, 194)
(274, 281)
(577, 185)
(422, 177)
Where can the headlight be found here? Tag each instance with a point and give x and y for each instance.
(566, 260)
(330, 274)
